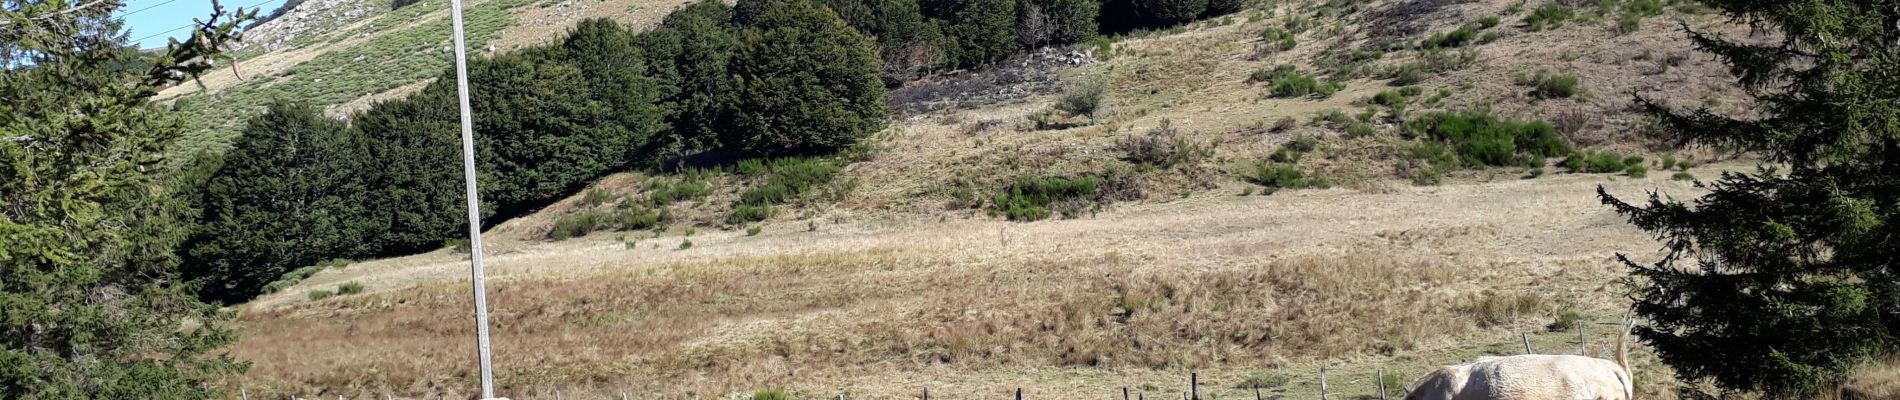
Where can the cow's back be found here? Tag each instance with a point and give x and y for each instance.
(1547, 377)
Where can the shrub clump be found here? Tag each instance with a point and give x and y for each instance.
(1288, 82)
(1031, 199)
(785, 179)
(1547, 86)
(1081, 101)
(1276, 175)
(1604, 162)
(1455, 38)
(1162, 147)
(1276, 40)
(1549, 16)
(1482, 139)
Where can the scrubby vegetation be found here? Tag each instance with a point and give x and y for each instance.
(784, 180)
(1481, 139)
(1030, 199)
(1162, 147)
(1286, 81)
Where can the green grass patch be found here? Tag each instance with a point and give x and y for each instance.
(1548, 16)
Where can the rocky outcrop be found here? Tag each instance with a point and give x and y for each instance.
(310, 17)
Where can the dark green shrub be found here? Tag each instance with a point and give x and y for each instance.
(1482, 139)
(1456, 38)
(1636, 171)
(1360, 129)
(785, 180)
(1683, 176)
(804, 82)
(1554, 86)
(399, 4)
(1276, 39)
(1290, 83)
(1487, 22)
(1275, 176)
(1030, 199)
(320, 294)
(772, 394)
(574, 225)
(753, 230)
(1564, 321)
(1046, 22)
(349, 288)
(1548, 16)
(983, 31)
(1595, 162)
(1267, 75)
(689, 55)
(1405, 74)
(1082, 100)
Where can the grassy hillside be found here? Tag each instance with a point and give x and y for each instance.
(902, 271)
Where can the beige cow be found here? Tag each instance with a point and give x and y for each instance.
(1532, 377)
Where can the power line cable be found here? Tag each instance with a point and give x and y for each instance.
(192, 25)
(146, 8)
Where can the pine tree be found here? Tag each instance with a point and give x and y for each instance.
(91, 305)
(803, 82)
(1784, 279)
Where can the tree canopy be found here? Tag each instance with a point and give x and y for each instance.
(91, 303)
(1783, 279)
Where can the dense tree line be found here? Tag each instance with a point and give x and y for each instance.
(300, 188)
(761, 78)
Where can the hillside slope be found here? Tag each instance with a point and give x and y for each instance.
(899, 275)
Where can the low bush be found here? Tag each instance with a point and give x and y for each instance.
(1293, 150)
(320, 294)
(785, 179)
(1482, 139)
(349, 288)
(1549, 16)
(753, 231)
(1430, 160)
(1636, 171)
(1083, 100)
(1486, 22)
(1455, 38)
(1275, 176)
(1545, 86)
(1030, 199)
(1598, 162)
(772, 394)
(1162, 147)
(1683, 176)
(1288, 82)
(574, 225)
(1276, 39)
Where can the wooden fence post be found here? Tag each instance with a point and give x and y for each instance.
(1124, 393)
(1527, 342)
(1019, 393)
(1322, 382)
(1583, 348)
(926, 393)
(243, 394)
(1256, 392)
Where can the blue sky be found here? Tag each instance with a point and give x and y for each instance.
(146, 18)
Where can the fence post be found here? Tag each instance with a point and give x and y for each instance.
(1124, 393)
(557, 394)
(1256, 392)
(926, 393)
(243, 394)
(1583, 345)
(1527, 342)
(1322, 382)
(623, 395)
(1019, 393)
(1194, 385)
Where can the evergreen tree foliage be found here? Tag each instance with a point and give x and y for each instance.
(615, 69)
(984, 30)
(91, 305)
(416, 145)
(1217, 8)
(1049, 22)
(1127, 15)
(803, 82)
(288, 195)
(537, 139)
(908, 43)
(687, 56)
(1782, 280)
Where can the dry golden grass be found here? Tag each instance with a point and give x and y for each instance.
(890, 289)
(1232, 286)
